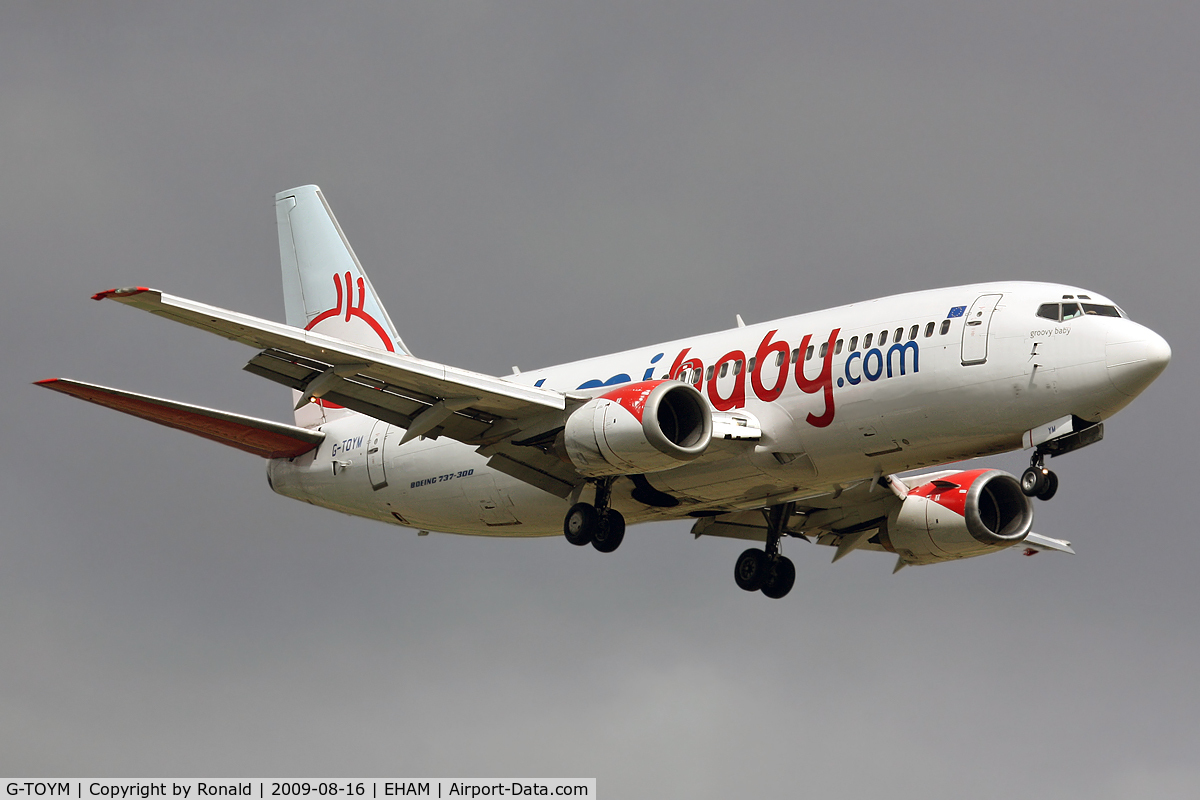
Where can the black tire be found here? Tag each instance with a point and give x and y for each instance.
(1051, 487)
(580, 524)
(610, 532)
(780, 579)
(1033, 481)
(751, 570)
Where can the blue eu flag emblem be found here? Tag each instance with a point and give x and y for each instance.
(957, 311)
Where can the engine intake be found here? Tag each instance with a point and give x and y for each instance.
(649, 426)
(960, 515)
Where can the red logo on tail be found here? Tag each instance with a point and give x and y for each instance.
(352, 309)
(346, 305)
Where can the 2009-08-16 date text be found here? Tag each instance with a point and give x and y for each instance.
(321, 789)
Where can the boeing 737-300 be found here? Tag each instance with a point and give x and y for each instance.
(790, 428)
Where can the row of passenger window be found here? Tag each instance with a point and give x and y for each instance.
(866, 341)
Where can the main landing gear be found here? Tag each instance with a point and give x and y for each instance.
(598, 525)
(1038, 481)
(767, 570)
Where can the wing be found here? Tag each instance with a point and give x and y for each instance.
(851, 518)
(847, 518)
(258, 436)
(508, 422)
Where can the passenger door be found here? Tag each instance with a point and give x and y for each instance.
(975, 331)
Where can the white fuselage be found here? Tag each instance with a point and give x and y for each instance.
(962, 372)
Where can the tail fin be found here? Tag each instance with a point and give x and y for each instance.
(324, 287)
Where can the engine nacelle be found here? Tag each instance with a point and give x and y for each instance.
(959, 515)
(647, 426)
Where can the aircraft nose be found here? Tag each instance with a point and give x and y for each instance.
(1135, 356)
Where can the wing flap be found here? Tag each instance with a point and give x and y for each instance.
(368, 395)
(846, 519)
(749, 525)
(258, 436)
(539, 472)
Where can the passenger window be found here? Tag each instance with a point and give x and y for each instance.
(867, 341)
(882, 338)
(779, 358)
(824, 348)
(912, 332)
(737, 367)
(898, 335)
(709, 374)
(1071, 311)
(945, 327)
(808, 355)
(837, 348)
(750, 364)
(853, 343)
(795, 355)
(724, 369)
(929, 330)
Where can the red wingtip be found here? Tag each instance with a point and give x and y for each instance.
(126, 292)
(46, 381)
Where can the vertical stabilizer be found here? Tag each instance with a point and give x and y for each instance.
(324, 287)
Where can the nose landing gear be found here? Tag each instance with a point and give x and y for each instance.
(768, 570)
(1038, 481)
(598, 525)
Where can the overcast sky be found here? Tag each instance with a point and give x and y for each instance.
(534, 183)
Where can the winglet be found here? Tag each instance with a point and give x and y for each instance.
(126, 292)
(1037, 542)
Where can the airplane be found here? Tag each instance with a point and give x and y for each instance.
(794, 428)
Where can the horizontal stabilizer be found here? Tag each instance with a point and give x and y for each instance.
(258, 436)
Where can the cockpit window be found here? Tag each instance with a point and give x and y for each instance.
(1060, 312)
(1094, 309)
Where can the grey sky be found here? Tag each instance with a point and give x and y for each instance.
(534, 183)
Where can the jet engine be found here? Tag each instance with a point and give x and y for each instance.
(647, 426)
(959, 515)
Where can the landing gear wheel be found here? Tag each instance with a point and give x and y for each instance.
(610, 532)
(1051, 487)
(781, 577)
(1034, 481)
(751, 570)
(580, 524)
